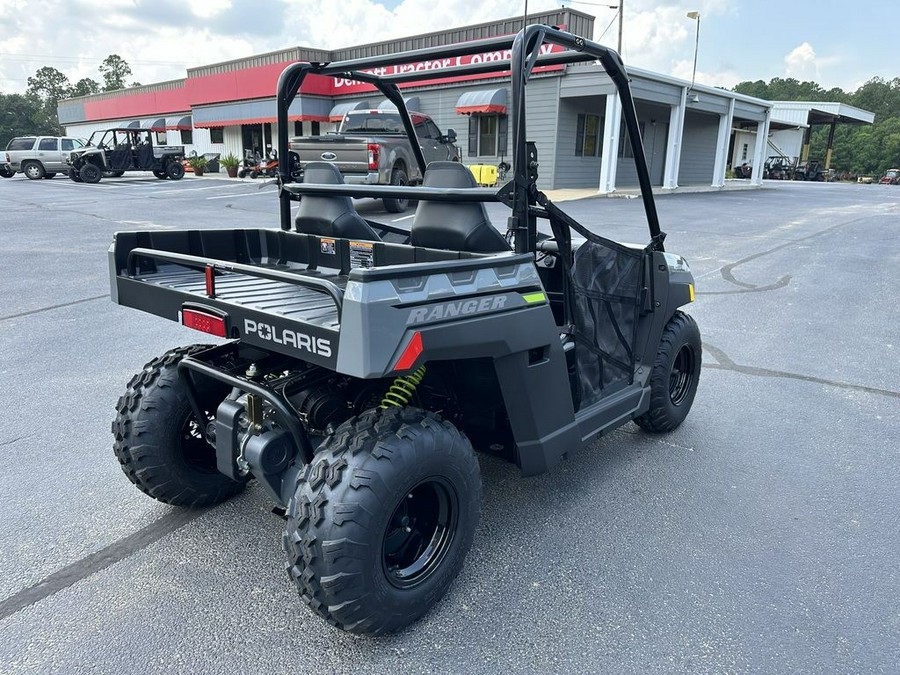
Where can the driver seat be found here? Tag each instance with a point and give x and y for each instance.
(330, 216)
(454, 226)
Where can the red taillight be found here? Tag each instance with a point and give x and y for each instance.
(408, 358)
(374, 151)
(207, 323)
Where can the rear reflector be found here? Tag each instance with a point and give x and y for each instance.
(410, 354)
(207, 323)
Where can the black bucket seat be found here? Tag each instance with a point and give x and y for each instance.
(330, 215)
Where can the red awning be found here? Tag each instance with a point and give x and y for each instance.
(486, 101)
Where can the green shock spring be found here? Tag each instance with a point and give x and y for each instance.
(402, 389)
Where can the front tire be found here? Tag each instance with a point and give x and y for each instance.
(90, 173)
(73, 175)
(675, 375)
(398, 177)
(159, 443)
(33, 170)
(175, 170)
(382, 519)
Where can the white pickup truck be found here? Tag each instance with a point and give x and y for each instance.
(371, 147)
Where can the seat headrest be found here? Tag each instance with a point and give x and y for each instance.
(322, 172)
(449, 174)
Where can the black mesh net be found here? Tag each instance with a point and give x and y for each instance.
(606, 280)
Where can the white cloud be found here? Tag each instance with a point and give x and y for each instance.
(801, 64)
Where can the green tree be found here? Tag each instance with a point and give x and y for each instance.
(114, 70)
(23, 114)
(48, 84)
(84, 87)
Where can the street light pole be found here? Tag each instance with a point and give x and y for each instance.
(695, 15)
(621, 18)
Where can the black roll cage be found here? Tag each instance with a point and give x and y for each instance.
(520, 194)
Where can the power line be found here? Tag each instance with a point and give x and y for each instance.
(77, 59)
(608, 26)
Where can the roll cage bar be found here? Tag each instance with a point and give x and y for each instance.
(520, 194)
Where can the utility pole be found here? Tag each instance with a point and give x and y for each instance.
(621, 21)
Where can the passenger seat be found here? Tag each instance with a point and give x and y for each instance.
(330, 216)
(455, 226)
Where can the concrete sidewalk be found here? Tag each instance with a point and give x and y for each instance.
(569, 194)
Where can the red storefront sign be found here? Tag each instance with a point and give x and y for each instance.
(348, 86)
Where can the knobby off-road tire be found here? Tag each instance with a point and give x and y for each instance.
(74, 175)
(159, 444)
(175, 170)
(160, 173)
(90, 173)
(675, 375)
(398, 177)
(49, 174)
(382, 519)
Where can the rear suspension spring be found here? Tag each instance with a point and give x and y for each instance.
(401, 391)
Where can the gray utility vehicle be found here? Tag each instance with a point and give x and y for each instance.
(372, 148)
(363, 363)
(114, 151)
(37, 156)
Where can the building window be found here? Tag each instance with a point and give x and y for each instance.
(587, 135)
(187, 136)
(162, 138)
(217, 135)
(487, 135)
(298, 128)
(315, 129)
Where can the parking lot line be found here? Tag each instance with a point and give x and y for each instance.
(193, 189)
(244, 194)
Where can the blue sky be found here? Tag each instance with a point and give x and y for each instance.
(837, 44)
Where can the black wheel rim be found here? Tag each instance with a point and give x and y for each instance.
(420, 533)
(197, 453)
(681, 379)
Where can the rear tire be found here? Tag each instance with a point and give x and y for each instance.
(158, 442)
(398, 177)
(6, 172)
(254, 174)
(675, 375)
(33, 170)
(175, 170)
(160, 173)
(90, 173)
(382, 519)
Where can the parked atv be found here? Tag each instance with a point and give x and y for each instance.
(810, 170)
(114, 151)
(359, 366)
(891, 177)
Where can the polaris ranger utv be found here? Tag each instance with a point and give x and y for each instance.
(363, 364)
(114, 151)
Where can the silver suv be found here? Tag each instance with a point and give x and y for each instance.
(38, 156)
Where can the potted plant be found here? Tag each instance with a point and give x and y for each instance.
(231, 163)
(198, 164)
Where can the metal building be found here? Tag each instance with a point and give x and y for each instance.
(573, 111)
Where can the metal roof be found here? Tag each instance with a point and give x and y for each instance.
(804, 113)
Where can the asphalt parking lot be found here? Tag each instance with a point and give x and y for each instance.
(760, 537)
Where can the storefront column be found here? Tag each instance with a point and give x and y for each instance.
(722, 142)
(759, 152)
(610, 152)
(673, 145)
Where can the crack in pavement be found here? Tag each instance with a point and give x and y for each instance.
(47, 309)
(95, 562)
(727, 271)
(725, 363)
